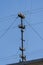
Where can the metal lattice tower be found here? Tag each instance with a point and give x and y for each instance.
(22, 27)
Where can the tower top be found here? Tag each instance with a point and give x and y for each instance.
(21, 15)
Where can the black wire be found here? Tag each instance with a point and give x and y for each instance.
(8, 16)
(36, 23)
(38, 9)
(8, 28)
(7, 19)
(34, 52)
(36, 33)
(33, 11)
(10, 57)
(31, 26)
(28, 11)
(34, 30)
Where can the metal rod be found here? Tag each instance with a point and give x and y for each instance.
(22, 38)
(22, 27)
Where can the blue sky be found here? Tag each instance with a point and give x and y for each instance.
(10, 42)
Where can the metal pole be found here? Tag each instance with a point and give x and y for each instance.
(22, 38)
(22, 27)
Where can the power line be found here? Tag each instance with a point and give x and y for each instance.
(31, 26)
(34, 11)
(35, 51)
(30, 10)
(34, 30)
(38, 9)
(36, 23)
(9, 16)
(9, 57)
(27, 11)
(8, 28)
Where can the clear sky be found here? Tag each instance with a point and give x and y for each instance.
(10, 42)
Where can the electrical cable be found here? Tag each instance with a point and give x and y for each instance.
(36, 23)
(8, 28)
(9, 57)
(35, 52)
(31, 26)
(38, 9)
(28, 11)
(34, 30)
(34, 11)
(8, 16)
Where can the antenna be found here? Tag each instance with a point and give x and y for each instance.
(22, 27)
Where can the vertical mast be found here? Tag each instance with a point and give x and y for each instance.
(22, 27)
